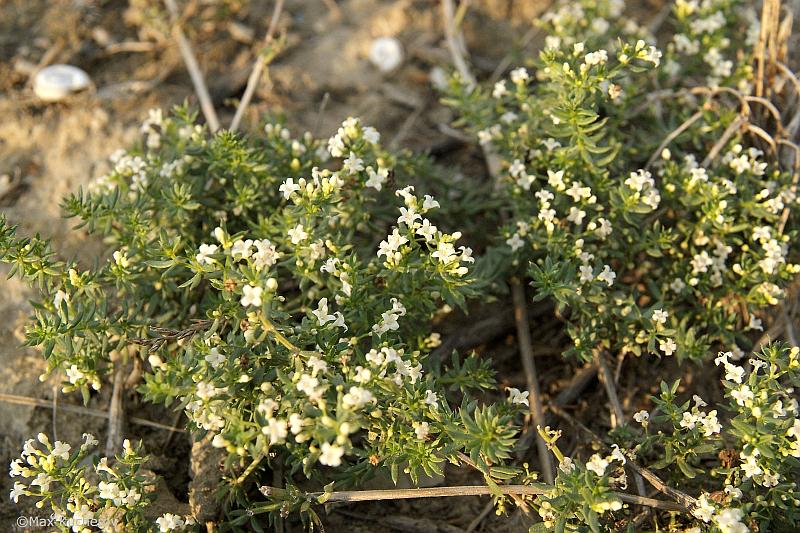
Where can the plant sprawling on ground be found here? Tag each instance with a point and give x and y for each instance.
(281, 290)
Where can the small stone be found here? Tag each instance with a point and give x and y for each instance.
(386, 53)
(56, 82)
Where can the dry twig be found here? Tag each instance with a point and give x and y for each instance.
(193, 67)
(531, 377)
(37, 402)
(258, 68)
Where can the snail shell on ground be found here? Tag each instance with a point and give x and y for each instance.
(386, 53)
(56, 82)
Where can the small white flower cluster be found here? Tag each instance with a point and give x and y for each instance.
(151, 128)
(57, 475)
(442, 250)
(351, 130)
(172, 522)
(708, 423)
(389, 318)
(727, 520)
(644, 189)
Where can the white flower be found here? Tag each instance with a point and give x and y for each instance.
(251, 295)
(421, 429)
(750, 467)
(288, 187)
(607, 275)
(61, 449)
(431, 399)
(642, 417)
(214, 358)
(169, 522)
(357, 397)
(597, 464)
(205, 251)
(316, 365)
(617, 455)
(308, 385)
(276, 430)
(660, 316)
(408, 216)
(430, 202)
(517, 397)
(566, 465)
(704, 510)
(596, 58)
(427, 230)
(242, 249)
(734, 373)
(353, 164)
(587, 273)
(266, 254)
(499, 90)
(576, 215)
(729, 521)
(298, 234)
(59, 298)
(331, 454)
(17, 491)
(734, 492)
(556, 179)
(376, 179)
(515, 242)
(667, 346)
(42, 480)
(604, 228)
(519, 75)
(386, 53)
(742, 395)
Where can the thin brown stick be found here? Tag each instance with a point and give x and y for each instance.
(258, 68)
(463, 490)
(686, 501)
(455, 44)
(531, 376)
(116, 412)
(617, 414)
(37, 402)
(672, 136)
(193, 67)
(729, 132)
(790, 332)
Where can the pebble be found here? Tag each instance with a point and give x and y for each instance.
(56, 82)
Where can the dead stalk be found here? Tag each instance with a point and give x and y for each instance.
(258, 68)
(531, 376)
(116, 412)
(193, 67)
(74, 409)
(464, 490)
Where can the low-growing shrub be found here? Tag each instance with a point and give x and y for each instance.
(281, 291)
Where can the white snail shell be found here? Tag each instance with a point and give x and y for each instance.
(386, 53)
(56, 82)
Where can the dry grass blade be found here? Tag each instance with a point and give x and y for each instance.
(729, 132)
(193, 67)
(116, 412)
(258, 68)
(531, 376)
(74, 409)
(455, 44)
(672, 136)
(464, 490)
